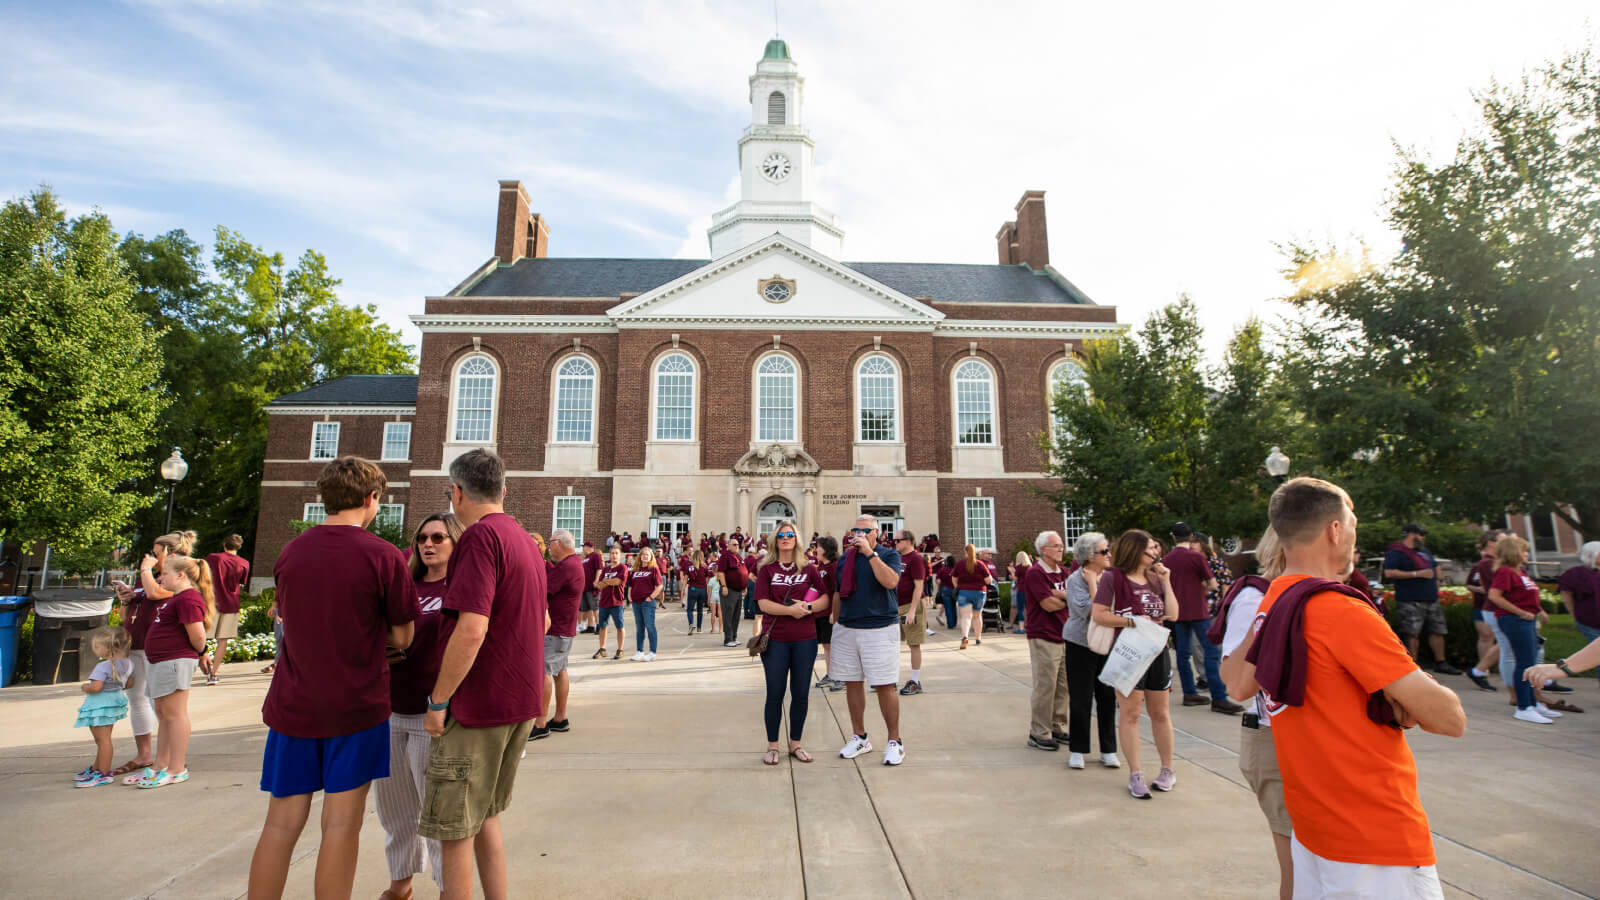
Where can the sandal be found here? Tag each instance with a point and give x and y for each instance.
(127, 767)
(800, 754)
(1564, 706)
(391, 895)
(164, 778)
(771, 758)
(269, 668)
(147, 773)
(599, 654)
(617, 655)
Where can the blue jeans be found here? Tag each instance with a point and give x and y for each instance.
(947, 599)
(1522, 637)
(750, 610)
(644, 622)
(1196, 630)
(788, 666)
(695, 609)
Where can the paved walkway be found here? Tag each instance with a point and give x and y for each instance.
(658, 791)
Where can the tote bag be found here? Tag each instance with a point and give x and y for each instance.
(1132, 654)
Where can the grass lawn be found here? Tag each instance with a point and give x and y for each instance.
(1562, 638)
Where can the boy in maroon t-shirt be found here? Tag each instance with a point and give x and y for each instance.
(229, 572)
(491, 680)
(346, 597)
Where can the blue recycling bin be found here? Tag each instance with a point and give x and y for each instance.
(13, 612)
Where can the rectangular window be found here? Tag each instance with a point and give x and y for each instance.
(877, 408)
(980, 521)
(675, 406)
(397, 440)
(569, 515)
(315, 513)
(392, 515)
(1072, 527)
(1544, 532)
(777, 408)
(574, 410)
(974, 417)
(324, 440)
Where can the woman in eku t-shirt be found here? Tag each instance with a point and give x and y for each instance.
(644, 589)
(1515, 600)
(790, 595)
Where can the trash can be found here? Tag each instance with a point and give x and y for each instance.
(13, 612)
(62, 617)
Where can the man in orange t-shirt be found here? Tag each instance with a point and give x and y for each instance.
(1349, 783)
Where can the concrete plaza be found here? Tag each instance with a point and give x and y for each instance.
(658, 791)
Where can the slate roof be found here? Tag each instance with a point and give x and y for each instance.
(954, 282)
(356, 390)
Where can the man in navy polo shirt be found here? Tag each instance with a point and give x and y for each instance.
(1415, 575)
(866, 637)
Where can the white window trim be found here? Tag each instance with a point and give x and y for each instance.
(899, 400)
(336, 430)
(1050, 394)
(755, 399)
(494, 410)
(994, 406)
(555, 515)
(966, 526)
(385, 448)
(694, 398)
(594, 400)
(400, 506)
(305, 513)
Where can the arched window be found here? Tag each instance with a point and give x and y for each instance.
(1064, 375)
(974, 403)
(776, 399)
(474, 403)
(674, 398)
(775, 110)
(575, 401)
(877, 393)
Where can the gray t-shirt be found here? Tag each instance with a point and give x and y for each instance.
(1078, 602)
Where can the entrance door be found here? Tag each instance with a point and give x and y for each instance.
(669, 524)
(888, 516)
(773, 511)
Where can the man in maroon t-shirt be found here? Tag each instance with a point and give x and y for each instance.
(564, 585)
(346, 597)
(590, 602)
(1191, 581)
(1042, 589)
(912, 597)
(229, 572)
(732, 577)
(491, 680)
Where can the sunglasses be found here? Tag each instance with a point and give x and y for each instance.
(862, 530)
(1105, 552)
(435, 538)
(784, 534)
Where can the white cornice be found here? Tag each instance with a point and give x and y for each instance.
(1053, 330)
(528, 324)
(351, 410)
(522, 324)
(741, 323)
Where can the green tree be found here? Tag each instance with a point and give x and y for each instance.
(1459, 378)
(78, 372)
(1247, 414)
(1131, 443)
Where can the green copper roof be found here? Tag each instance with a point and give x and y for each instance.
(776, 49)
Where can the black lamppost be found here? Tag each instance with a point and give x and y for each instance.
(173, 468)
(1277, 465)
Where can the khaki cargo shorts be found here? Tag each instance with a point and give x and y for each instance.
(917, 631)
(469, 777)
(1258, 763)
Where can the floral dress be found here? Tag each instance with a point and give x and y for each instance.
(1224, 577)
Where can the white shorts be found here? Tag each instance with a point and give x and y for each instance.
(1316, 878)
(871, 655)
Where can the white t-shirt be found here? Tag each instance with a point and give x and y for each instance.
(1241, 621)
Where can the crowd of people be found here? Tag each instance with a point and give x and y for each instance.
(426, 682)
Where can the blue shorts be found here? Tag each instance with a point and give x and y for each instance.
(611, 614)
(974, 599)
(293, 766)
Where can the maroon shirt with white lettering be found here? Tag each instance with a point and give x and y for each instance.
(777, 583)
(642, 583)
(613, 594)
(1038, 584)
(411, 679)
(167, 637)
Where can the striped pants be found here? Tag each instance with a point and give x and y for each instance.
(399, 799)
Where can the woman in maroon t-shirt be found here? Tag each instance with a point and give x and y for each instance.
(174, 645)
(612, 583)
(411, 677)
(973, 578)
(695, 575)
(789, 594)
(1514, 597)
(1138, 584)
(644, 589)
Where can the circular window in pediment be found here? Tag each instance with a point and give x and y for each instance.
(776, 289)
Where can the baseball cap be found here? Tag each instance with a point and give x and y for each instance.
(1413, 528)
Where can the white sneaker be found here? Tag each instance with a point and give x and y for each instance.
(638, 657)
(930, 632)
(1532, 715)
(1075, 761)
(1546, 711)
(894, 754)
(1110, 761)
(857, 746)
(650, 657)
(730, 643)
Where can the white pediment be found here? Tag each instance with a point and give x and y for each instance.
(727, 293)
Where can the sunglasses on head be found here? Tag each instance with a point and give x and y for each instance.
(784, 534)
(436, 538)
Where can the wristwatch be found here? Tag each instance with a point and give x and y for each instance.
(1562, 665)
(437, 707)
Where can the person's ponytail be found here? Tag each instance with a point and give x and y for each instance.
(972, 559)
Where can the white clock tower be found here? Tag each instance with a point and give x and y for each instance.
(775, 173)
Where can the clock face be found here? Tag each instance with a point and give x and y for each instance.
(776, 166)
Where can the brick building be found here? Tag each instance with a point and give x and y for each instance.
(679, 395)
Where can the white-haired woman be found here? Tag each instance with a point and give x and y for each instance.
(1086, 693)
(1580, 590)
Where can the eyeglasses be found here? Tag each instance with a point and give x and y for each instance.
(784, 534)
(435, 537)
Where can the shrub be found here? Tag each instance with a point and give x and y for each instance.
(253, 618)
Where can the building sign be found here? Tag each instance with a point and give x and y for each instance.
(841, 499)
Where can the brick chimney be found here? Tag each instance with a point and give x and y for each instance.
(1025, 240)
(517, 232)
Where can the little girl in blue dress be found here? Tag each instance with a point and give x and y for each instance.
(107, 700)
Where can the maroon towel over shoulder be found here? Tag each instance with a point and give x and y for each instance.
(1219, 622)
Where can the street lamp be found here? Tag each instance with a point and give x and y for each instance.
(173, 468)
(1277, 465)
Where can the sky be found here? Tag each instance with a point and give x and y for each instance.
(1180, 145)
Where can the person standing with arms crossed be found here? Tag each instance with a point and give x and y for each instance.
(866, 638)
(491, 681)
